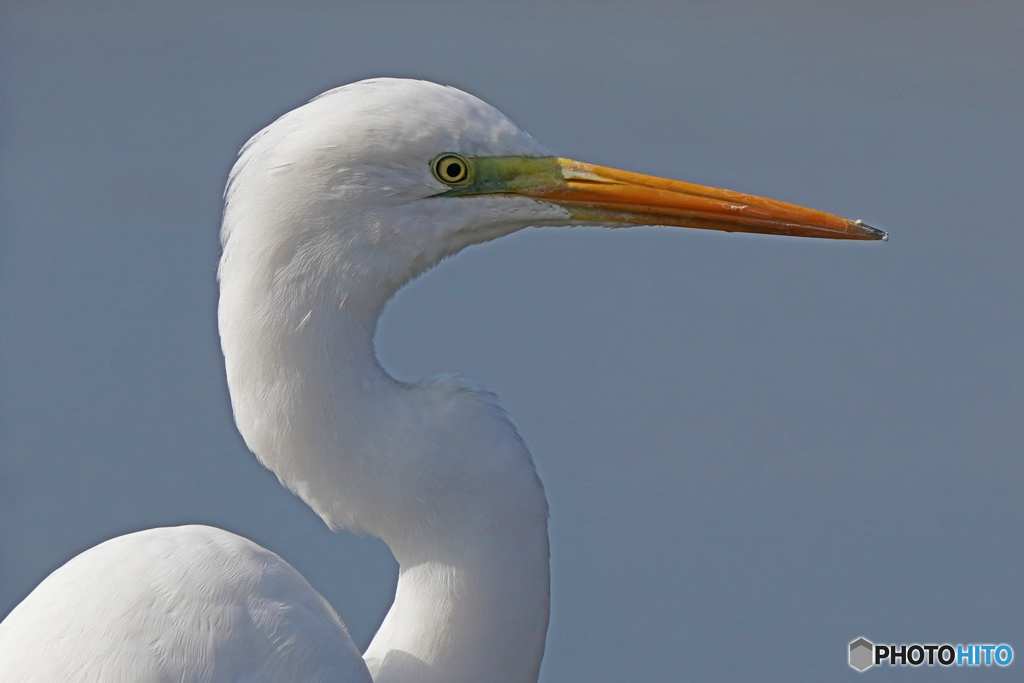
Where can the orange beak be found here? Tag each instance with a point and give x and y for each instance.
(608, 195)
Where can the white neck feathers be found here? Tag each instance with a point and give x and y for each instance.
(435, 469)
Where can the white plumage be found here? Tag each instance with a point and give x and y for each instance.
(176, 604)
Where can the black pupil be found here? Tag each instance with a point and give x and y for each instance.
(453, 169)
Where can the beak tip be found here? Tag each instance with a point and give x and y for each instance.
(870, 232)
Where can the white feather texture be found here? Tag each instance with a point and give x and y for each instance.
(329, 211)
(178, 604)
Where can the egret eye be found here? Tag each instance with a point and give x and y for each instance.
(451, 169)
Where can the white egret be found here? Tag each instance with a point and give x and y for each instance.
(329, 211)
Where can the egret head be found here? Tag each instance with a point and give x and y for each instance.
(383, 178)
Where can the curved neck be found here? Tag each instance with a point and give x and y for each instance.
(435, 469)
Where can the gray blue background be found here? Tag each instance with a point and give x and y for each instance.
(756, 449)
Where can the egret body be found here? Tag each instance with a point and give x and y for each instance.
(329, 211)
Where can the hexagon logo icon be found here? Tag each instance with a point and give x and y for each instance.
(861, 654)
